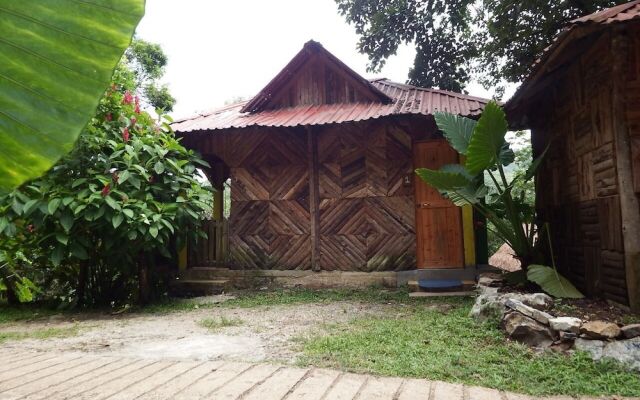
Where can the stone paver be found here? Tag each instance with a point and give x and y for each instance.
(39, 376)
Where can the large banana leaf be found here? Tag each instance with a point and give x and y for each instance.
(552, 282)
(445, 179)
(487, 140)
(56, 60)
(456, 129)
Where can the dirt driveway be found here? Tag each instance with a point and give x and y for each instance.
(264, 333)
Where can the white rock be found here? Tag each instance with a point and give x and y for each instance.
(593, 347)
(565, 324)
(626, 352)
(530, 312)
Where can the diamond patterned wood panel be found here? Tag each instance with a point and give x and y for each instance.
(366, 211)
(343, 252)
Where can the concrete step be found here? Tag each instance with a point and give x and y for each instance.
(199, 287)
(205, 273)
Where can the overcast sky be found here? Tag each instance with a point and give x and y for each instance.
(221, 50)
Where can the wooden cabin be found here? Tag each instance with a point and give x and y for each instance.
(321, 169)
(582, 100)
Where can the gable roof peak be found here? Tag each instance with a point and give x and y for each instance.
(313, 51)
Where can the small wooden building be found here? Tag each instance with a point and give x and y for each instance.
(582, 99)
(321, 168)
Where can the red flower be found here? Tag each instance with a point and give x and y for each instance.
(106, 190)
(108, 117)
(137, 109)
(133, 121)
(128, 98)
(30, 228)
(125, 134)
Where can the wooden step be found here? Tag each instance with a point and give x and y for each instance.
(199, 287)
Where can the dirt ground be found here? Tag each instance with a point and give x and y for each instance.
(266, 333)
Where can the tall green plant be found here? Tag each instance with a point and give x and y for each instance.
(486, 152)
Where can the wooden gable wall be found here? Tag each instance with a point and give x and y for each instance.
(320, 82)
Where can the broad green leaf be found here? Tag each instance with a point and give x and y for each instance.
(117, 220)
(66, 220)
(153, 231)
(53, 206)
(487, 139)
(123, 176)
(507, 156)
(552, 282)
(56, 60)
(159, 167)
(112, 203)
(458, 130)
(62, 238)
(443, 180)
(30, 206)
(535, 165)
(79, 251)
(57, 255)
(128, 212)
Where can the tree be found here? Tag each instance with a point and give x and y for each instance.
(440, 30)
(56, 61)
(498, 40)
(147, 62)
(126, 192)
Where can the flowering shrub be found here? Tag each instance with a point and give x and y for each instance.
(127, 191)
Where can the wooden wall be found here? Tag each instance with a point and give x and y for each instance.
(320, 82)
(366, 209)
(577, 185)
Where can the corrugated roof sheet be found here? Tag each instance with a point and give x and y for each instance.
(577, 28)
(406, 99)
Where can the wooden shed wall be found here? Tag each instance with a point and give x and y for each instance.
(365, 211)
(577, 186)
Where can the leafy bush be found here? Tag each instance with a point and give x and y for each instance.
(127, 192)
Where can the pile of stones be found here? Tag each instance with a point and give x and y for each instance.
(525, 319)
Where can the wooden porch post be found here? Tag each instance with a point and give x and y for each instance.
(629, 206)
(314, 197)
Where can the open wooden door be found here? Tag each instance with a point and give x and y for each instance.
(439, 235)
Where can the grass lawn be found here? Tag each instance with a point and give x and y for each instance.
(424, 342)
(45, 333)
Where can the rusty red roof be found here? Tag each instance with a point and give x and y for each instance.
(577, 28)
(405, 99)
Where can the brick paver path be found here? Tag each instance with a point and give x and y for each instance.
(52, 376)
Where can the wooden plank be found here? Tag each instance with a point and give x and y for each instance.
(439, 233)
(314, 197)
(469, 234)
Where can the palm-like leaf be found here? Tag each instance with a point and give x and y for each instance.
(458, 130)
(552, 282)
(444, 180)
(487, 140)
(56, 60)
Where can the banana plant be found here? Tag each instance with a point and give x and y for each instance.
(56, 60)
(486, 153)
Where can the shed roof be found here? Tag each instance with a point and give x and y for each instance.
(391, 99)
(563, 49)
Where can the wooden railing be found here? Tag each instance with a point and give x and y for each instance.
(212, 251)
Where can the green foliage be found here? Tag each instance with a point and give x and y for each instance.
(440, 30)
(56, 60)
(454, 40)
(511, 218)
(147, 62)
(552, 282)
(128, 190)
(441, 342)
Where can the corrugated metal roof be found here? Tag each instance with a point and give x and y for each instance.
(622, 12)
(406, 99)
(576, 29)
